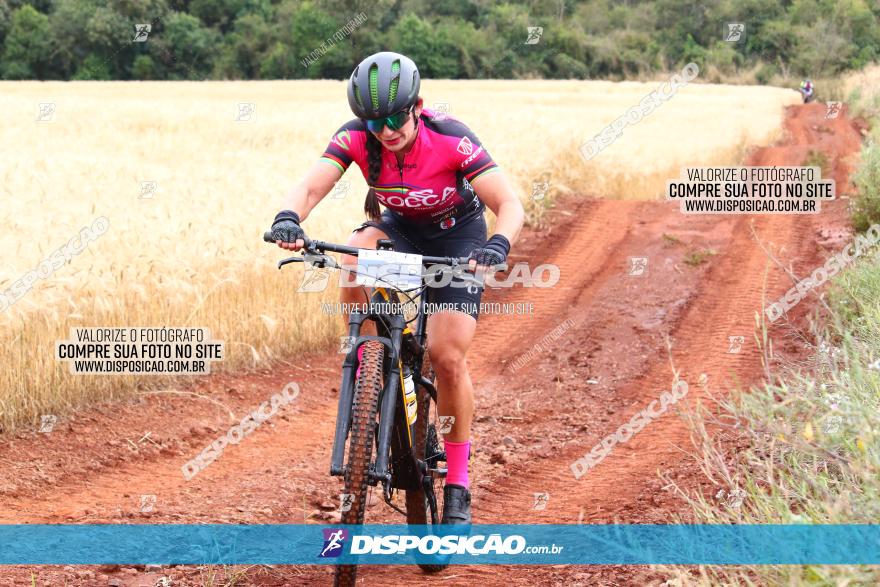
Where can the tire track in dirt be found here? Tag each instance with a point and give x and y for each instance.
(531, 424)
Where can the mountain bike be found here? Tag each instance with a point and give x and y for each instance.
(376, 409)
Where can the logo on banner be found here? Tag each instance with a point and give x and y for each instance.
(333, 542)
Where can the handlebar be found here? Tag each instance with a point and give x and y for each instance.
(316, 246)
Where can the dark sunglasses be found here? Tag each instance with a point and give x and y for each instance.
(394, 122)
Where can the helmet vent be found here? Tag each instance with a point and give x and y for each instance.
(374, 86)
(395, 82)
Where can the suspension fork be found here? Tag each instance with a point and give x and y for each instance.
(346, 391)
(388, 401)
(387, 398)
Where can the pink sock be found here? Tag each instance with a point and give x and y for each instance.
(457, 454)
(360, 357)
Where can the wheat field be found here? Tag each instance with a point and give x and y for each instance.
(191, 255)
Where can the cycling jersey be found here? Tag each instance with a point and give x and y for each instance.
(430, 190)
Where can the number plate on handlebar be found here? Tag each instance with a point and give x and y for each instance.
(389, 269)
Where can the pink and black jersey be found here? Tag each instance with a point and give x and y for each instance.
(430, 190)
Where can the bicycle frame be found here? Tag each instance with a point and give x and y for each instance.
(395, 325)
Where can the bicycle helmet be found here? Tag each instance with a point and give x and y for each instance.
(383, 84)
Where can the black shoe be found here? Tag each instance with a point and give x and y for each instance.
(456, 505)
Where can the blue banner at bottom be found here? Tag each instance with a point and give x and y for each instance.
(402, 544)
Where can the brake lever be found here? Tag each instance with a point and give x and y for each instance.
(319, 260)
(289, 260)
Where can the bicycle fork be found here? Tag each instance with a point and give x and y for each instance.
(387, 398)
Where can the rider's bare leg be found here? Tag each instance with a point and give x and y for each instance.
(449, 336)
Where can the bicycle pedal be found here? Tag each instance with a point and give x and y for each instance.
(438, 472)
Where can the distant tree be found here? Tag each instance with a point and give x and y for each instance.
(188, 48)
(822, 50)
(217, 13)
(774, 40)
(262, 8)
(144, 68)
(463, 42)
(565, 67)
(5, 20)
(93, 67)
(463, 9)
(243, 49)
(724, 61)
(43, 6)
(434, 50)
(309, 30)
(855, 20)
(691, 51)
(279, 63)
(638, 52)
(27, 49)
(684, 28)
(82, 28)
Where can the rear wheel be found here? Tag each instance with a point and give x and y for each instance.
(360, 447)
(425, 445)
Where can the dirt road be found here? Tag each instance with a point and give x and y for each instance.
(705, 279)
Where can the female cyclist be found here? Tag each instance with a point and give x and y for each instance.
(434, 179)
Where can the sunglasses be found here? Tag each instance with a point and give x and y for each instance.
(394, 122)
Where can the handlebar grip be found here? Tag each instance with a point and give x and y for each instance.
(267, 236)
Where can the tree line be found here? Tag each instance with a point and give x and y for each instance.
(462, 39)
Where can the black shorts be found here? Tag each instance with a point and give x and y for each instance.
(458, 242)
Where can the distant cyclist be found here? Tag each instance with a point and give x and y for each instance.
(807, 90)
(435, 179)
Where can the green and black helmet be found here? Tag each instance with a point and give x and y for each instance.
(383, 84)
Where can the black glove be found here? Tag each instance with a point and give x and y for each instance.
(494, 252)
(286, 227)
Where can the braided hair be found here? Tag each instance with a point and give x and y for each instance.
(374, 161)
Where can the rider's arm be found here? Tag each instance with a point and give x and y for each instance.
(312, 189)
(495, 191)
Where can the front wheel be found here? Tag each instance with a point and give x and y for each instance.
(360, 447)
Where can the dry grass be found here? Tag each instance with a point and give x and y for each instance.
(192, 255)
(862, 90)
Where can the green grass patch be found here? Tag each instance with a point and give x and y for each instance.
(695, 258)
(671, 240)
(866, 206)
(818, 159)
(803, 448)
